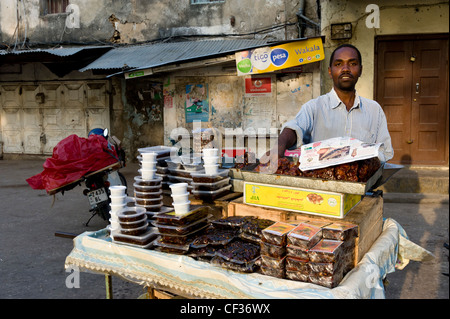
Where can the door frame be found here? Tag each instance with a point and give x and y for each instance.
(404, 37)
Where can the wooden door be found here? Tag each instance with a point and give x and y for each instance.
(412, 88)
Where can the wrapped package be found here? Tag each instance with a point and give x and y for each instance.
(246, 267)
(297, 252)
(214, 236)
(274, 272)
(231, 222)
(297, 275)
(330, 281)
(326, 251)
(255, 226)
(172, 219)
(239, 251)
(272, 250)
(181, 230)
(170, 248)
(325, 269)
(276, 233)
(340, 231)
(297, 264)
(272, 261)
(207, 251)
(304, 236)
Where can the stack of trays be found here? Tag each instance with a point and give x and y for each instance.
(148, 195)
(180, 170)
(176, 232)
(134, 229)
(209, 187)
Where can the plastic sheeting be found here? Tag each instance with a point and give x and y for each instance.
(73, 158)
(94, 251)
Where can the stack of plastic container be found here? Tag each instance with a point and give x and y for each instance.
(148, 186)
(213, 182)
(118, 202)
(134, 229)
(177, 229)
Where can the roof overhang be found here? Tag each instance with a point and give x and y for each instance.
(60, 60)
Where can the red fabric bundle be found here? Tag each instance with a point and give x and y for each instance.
(72, 158)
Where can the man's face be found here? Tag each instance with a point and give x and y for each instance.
(345, 69)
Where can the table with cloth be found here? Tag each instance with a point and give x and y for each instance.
(185, 276)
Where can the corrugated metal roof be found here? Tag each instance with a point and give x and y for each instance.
(62, 52)
(153, 55)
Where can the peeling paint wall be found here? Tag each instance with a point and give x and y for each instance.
(230, 108)
(125, 21)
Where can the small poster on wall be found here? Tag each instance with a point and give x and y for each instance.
(258, 86)
(197, 105)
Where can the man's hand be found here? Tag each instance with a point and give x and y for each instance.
(269, 160)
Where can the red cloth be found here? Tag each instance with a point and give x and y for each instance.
(72, 158)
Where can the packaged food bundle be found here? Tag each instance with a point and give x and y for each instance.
(181, 230)
(239, 251)
(318, 223)
(273, 262)
(326, 251)
(297, 264)
(325, 269)
(214, 236)
(348, 255)
(231, 222)
(272, 250)
(297, 275)
(276, 233)
(210, 195)
(186, 239)
(340, 231)
(170, 248)
(245, 267)
(304, 236)
(171, 219)
(330, 281)
(297, 252)
(273, 272)
(255, 226)
(207, 251)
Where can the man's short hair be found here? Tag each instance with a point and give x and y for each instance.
(346, 45)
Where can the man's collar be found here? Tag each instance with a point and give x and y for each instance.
(336, 101)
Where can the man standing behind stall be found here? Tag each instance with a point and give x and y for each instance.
(339, 113)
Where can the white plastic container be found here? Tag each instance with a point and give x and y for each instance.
(211, 160)
(116, 208)
(118, 200)
(183, 208)
(117, 190)
(147, 174)
(149, 156)
(211, 169)
(148, 165)
(179, 199)
(208, 152)
(178, 188)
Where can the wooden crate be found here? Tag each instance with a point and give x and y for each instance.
(367, 215)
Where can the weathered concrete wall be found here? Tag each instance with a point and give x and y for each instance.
(399, 17)
(133, 21)
(230, 108)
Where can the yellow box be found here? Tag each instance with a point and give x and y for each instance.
(322, 203)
